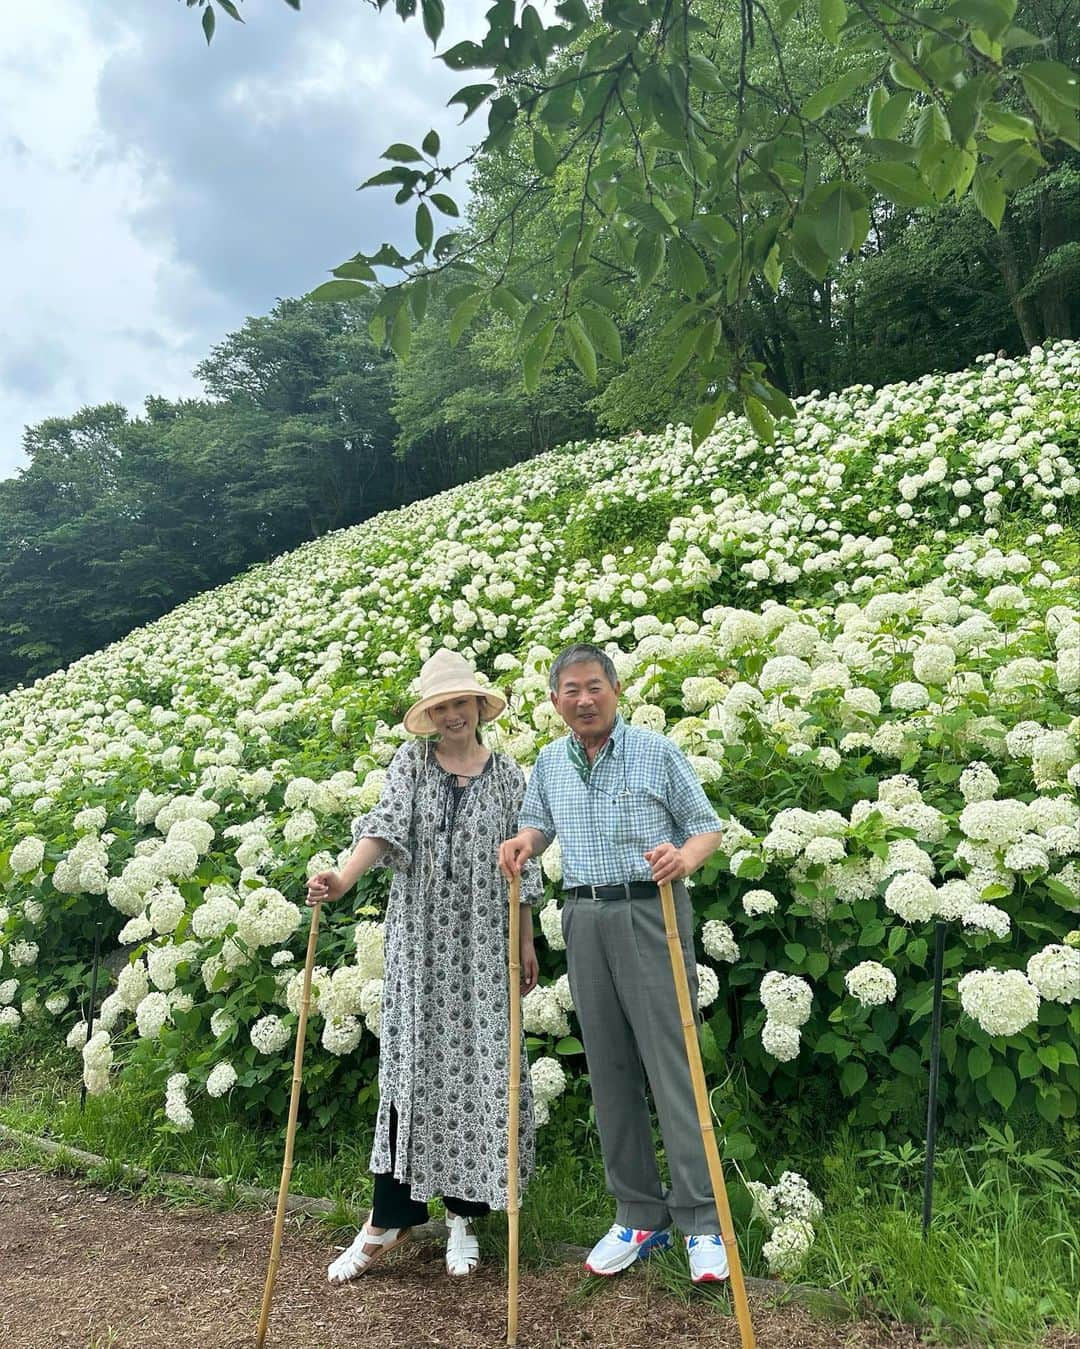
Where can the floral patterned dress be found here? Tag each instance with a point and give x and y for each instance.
(443, 1057)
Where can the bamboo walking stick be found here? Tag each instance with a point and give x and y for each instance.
(290, 1132)
(701, 1100)
(512, 1178)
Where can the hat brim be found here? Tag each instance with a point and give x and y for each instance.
(417, 722)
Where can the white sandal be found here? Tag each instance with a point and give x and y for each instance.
(462, 1247)
(355, 1260)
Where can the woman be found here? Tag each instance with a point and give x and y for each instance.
(446, 805)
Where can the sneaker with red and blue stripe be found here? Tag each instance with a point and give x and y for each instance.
(708, 1259)
(620, 1247)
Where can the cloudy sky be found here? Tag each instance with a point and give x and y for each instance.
(156, 191)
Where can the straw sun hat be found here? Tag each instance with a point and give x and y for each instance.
(449, 675)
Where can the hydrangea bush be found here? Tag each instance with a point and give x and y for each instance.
(865, 637)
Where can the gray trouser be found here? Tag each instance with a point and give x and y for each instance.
(624, 996)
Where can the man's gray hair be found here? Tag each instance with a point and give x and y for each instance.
(581, 653)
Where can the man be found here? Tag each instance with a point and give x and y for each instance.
(629, 814)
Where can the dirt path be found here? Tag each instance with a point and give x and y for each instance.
(81, 1268)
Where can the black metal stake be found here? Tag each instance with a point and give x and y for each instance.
(93, 1003)
(935, 1064)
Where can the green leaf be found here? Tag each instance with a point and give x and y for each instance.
(569, 1044)
(817, 105)
(1054, 93)
(230, 9)
(581, 349)
(931, 125)
(893, 113)
(704, 75)
(853, 1078)
(463, 315)
(979, 1062)
(209, 22)
(433, 16)
(401, 153)
(547, 161)
(832, 15)
(1002, 1085)
(443, 203)
(688, 269)
(470, 97)
(739, 1147)
(1002, 125)
(401, 333)
(761, 419)
(990, 16)
(535, 356)
(464, 56)
(649, 255)
(339, 290)
(989, 195)
(834, 221)
(430, 144)
(817, 964)
(905, 1060)
(355, 271)
(603, 332)
(425, 230)
(901, 183)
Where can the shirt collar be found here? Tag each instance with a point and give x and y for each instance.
(613, 744)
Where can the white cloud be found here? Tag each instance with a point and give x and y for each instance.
(157, 191)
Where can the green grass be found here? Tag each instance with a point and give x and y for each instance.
(1002, 1263)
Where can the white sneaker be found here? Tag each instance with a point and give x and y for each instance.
(708, 1259)
(620, 1246)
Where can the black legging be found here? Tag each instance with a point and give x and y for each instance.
(394, 1206)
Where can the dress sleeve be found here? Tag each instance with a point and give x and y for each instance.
(532, 881)
(392, 818)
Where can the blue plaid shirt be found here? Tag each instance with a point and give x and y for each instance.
(641, 792)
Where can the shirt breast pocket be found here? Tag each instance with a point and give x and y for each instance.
(636, 819)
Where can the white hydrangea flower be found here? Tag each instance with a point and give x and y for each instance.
(978, 782)
(270, 1035)
(708, 986)
(780, 1040)
(221, 1022)
(342, 1033)
(912, 897)
(221, 1079)
(788, 1245)
(27, 855)
(368, 939)
(719, 941)
(167, 907)
(151, 1015)
(562, 994)
(786, 998)
(1055, 972)
(870, 983)
(548, 1079)
(551, 926)
(176, 1106)
(1003, 1002)
(987, 918)
(541, 1013)
(551, 862)
(756, 902)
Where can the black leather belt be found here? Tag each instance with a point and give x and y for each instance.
(632, 890)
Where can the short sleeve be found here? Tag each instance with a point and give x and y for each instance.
(535, 812)
(689, 806)
(532, 882)
(391, 820)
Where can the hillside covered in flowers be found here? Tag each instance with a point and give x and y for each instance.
(866, 637)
